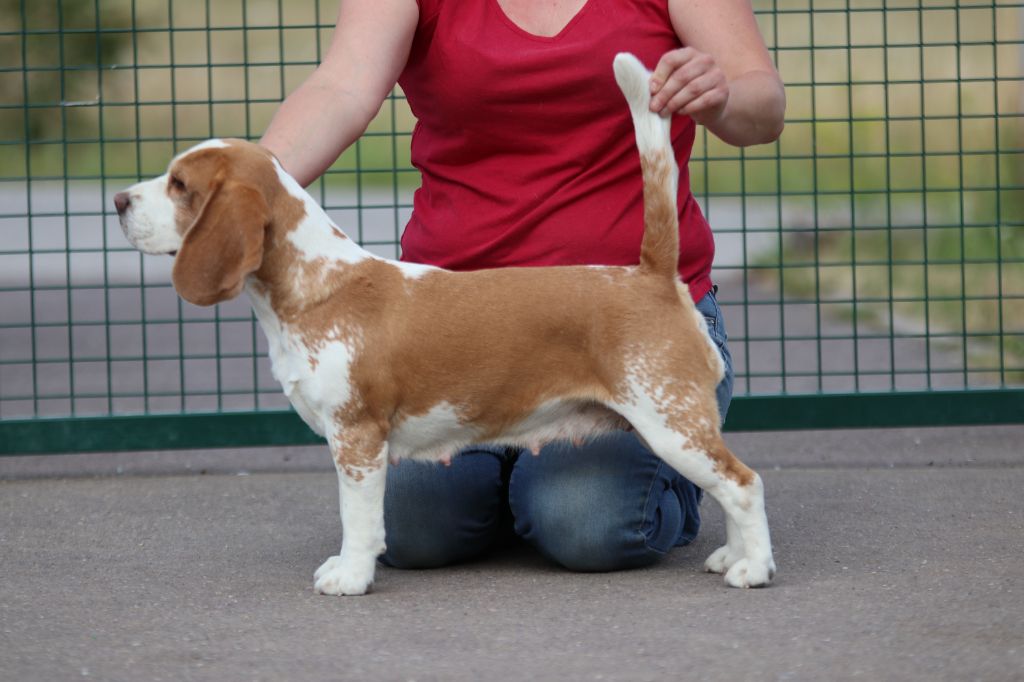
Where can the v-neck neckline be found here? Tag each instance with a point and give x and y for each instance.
(536, 36)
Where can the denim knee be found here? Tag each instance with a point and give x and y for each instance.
(604, 542)
(436, 515)
(609, 505)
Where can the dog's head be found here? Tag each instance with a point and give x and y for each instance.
(210, 210)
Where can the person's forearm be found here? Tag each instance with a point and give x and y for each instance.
(313, 126)
(754, 112)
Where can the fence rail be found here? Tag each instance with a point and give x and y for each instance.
(871, 262)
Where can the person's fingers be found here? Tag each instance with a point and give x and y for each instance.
(692, 74)
(669, 63)
(707, 107)
(705, 94)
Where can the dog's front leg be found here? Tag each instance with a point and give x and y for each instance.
(722, 559)
(360, 461)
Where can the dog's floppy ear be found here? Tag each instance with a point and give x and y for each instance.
(222, 246)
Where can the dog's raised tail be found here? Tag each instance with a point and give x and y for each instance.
(659, 250)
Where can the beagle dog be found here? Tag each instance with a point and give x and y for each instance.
(394, 360)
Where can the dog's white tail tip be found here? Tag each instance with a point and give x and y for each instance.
(633, 78)
(652, 130)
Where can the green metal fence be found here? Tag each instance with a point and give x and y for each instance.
(871, 262)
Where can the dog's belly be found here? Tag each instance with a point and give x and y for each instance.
(442, 431)
(569, 420)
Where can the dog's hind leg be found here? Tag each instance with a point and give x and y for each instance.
(360, 459)
(746, 559)
(676, 430)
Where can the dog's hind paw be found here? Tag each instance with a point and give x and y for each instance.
(748, 572)
(339, 577)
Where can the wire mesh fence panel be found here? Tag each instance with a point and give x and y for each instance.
(99, 95)
(878, 246)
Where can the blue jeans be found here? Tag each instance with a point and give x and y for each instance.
(607, 505)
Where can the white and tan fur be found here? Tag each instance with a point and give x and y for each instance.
(392, 360)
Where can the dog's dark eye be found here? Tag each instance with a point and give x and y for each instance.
(176, 183)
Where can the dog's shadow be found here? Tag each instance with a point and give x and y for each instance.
(516, 561)
(511, 559)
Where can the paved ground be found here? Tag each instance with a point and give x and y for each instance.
(899, 555)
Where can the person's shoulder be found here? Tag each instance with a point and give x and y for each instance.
(429, 8)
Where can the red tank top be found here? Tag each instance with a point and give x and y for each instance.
(525, 143)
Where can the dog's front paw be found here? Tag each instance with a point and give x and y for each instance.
(748, 572)
(722, 559)
(339, 577)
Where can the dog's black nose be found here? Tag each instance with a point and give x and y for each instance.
(121, 201)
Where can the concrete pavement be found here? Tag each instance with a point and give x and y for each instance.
(899, 558)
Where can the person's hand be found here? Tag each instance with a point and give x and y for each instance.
(689, 82)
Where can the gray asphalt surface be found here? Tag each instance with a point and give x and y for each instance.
(899, 558)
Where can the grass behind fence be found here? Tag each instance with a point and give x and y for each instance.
(878, 245)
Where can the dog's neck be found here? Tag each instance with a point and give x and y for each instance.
(315, 235)
(300, 242)
(303, 251)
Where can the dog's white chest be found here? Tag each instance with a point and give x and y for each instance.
(315, 380)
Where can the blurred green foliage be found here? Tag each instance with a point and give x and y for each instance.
(57, 44)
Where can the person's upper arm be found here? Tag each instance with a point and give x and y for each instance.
(725, 29)
(333, 106)
(371, 44)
